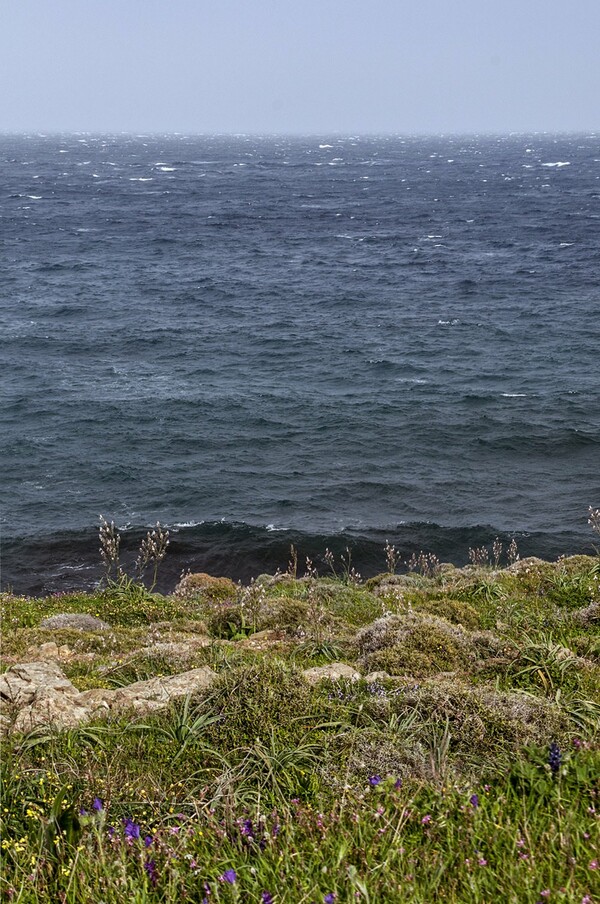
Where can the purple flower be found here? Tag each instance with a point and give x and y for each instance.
(229, 876)
(82, 812)
(397, 784)
(150, 867)
(110, 831)
(474, 801)
(374, 781)
(148, 841)
(554, 758)
(247, 828)
(98, 806)
(132, 829)
(266, 898)
(330, 898)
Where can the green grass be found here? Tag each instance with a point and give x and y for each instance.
(362, 790)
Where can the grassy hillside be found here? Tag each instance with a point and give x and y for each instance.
(461, 766)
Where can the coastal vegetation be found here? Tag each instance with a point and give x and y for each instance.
(419, 736)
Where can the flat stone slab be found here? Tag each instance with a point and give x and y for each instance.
(334, 671)
(38, 693)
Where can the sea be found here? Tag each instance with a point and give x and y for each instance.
(325, 341)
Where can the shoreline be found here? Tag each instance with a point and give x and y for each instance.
(69, 560)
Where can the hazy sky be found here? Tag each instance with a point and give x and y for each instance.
(312, 66)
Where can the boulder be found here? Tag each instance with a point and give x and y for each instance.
(334, 671)
(38, 693)
(148, 696)
(76, 621)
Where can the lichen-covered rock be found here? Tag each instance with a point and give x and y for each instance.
(76, 621)
(334, 671)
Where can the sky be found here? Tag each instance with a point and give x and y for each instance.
(299, 66)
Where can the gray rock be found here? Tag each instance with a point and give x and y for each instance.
(38, 693)
(377, 676)
(334, 671)
(151, 695)
(76, 621)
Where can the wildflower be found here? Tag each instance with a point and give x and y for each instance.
(132, 829)
(482, 861)
(98, 806)
(545, 893)
(330, 898)
(229, 876)
(148, 841)
(247, 828)
(150, 867)
(554, 758)
(593, 864)
(474, 801)
(397, 784)
(375, 780)
(426, 819)
(266, 898)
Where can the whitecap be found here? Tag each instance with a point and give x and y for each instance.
(514, 395)
(167, 169)
(323, 146)
(566, 244)
(141, 179)
(448, 322)
(558, 163)
(34, 197)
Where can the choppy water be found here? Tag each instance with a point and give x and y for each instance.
(325, 340)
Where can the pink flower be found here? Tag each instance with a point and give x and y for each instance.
(482, 861)
(593, 864)
(426, 819)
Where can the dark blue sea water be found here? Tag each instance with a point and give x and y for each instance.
(318, 340)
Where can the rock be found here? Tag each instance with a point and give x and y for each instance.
(38, 693)
(334, 671)
(147, 696)
(50, 650)
(262, 640)
(372, 677)
(76, 621)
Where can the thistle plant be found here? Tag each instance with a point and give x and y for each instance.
(497, 548)
(153, 549)
(110, 542)
(426, 563)
(391, 557)
(479, 556)
(512, 553)
(594, 519)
